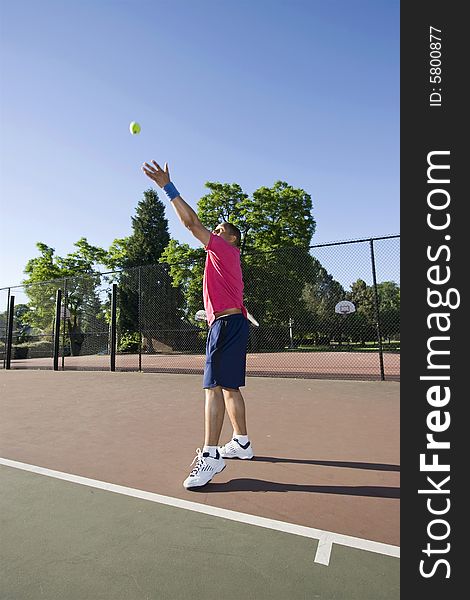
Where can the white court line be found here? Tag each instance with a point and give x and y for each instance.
(326, 539)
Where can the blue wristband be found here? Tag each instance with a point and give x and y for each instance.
(170, 191)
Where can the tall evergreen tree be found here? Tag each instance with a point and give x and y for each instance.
(147, 300)
(149, 232)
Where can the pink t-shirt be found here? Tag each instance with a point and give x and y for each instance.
(223, 283)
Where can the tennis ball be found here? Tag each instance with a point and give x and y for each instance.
(134, 128)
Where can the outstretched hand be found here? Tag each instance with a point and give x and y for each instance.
(160, 176)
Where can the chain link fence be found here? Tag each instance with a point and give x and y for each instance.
(143, 319)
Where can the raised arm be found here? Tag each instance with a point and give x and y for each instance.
(185, 213)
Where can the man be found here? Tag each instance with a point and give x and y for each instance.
(227, 339)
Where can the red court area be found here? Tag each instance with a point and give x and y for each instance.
(327, 452)
(317, 365)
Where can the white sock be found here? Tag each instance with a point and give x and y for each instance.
(211, 449)
(243, 439)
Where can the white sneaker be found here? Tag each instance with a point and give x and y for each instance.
(236, 450)
(206, 467)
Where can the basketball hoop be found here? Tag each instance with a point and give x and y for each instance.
(345, 307)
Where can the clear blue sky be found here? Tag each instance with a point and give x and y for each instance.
(232, 91)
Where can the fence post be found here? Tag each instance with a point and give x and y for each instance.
(65, 322)
(58, 305)
(140, 320)
(6, 329)
(10, 332)
(377, 312)
(113, 327)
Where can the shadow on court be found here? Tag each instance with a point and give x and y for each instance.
(328, 463)
(257, 485)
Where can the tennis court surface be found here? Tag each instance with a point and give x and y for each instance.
(93, 505)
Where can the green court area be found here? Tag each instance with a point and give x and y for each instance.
(65, 541)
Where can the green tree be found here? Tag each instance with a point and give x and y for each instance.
(279, 217)
(149, 231)
(365, 318)
(148, 239)
(363, 322)
(225, 202)
(389, 305)
(76, 275)
(321, 295)
(146, 296)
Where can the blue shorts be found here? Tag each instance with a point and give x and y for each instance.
(226, 347)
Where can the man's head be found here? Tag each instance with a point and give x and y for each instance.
(229, 232)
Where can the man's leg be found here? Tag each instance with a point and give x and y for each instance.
(235, 405)
(209, 461)
(214, 411)
(240, 445)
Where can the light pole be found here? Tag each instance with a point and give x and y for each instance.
(291, 322)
